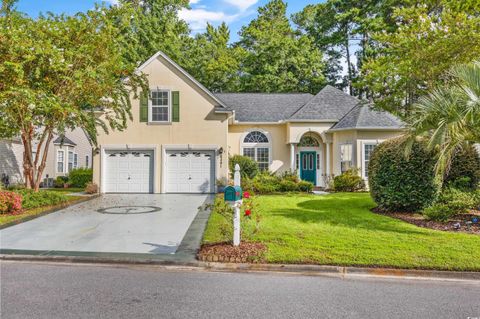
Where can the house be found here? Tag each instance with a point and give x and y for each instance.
(182, 135)
(66, 152)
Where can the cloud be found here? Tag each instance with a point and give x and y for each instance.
(194, 1)
(112, 2)
(242, 4)
(198, 18)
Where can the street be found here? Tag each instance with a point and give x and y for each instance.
(41, 290)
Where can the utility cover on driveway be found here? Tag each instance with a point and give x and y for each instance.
(116, 223)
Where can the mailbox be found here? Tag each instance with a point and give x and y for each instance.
(233, 193)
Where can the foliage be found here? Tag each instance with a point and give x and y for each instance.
(348, 181)
(464, 171)
(55, 72)
(449, 117)
(413, 57)
(340, 229)
(31, 199)
(438, 212)
(305, 187)
(10, 202)
(79, 177)
(91, 188)
(248, 167)
(457, 201)
(269, 183)
(60, 181)
(154, 26)
(213, 61)
(278, 58)
(398, 183)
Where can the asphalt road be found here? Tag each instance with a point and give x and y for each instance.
(33, 290)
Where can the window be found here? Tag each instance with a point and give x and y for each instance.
(256, 145)
(367, 153)
(308, 141)
(297, 161)
(60, 160)
(345, 157)
(70, 161)
(318, 161)
(159, 106)
(87, 161)
(75, 160)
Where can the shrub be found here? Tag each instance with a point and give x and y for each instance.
(10, 202)
(291, 176)
(398, 183)
(248, 167)
(60, 181)
(91, 188)
(33, 199)
(305, 186)
(288, 186)
(349, 181)
(464, 172)
(438, 212)
(456, 200)
(79, 177)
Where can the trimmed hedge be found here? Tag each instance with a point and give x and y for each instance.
(30, 199)
(348, 181)
(80, 177)
(269, 183)
(401, 184)
(464, 170)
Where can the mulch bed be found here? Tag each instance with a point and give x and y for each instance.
(226, 252)
(456, 224)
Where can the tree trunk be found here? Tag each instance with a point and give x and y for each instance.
(41, 167)
(349, 65)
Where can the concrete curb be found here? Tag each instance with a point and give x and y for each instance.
(309, 270)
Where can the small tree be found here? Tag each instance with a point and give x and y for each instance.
(56, 72)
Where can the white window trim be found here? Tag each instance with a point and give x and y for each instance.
(364, 143)
(75, 162)
(268, 145)
(150, 105)
(63, 162)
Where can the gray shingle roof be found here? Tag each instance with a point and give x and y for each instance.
(329, 104)
(63, 140)
(365, 117)
(263, 107)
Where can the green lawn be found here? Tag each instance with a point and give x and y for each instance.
(4, 219)
(65, 190)
(340, 229)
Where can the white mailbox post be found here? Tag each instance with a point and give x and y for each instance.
(236, 208)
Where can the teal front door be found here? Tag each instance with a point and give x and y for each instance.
(308, 166)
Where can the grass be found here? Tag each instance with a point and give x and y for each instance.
(340, 229)
(5, 219)
(65, 190)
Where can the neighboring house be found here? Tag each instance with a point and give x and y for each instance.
(181, 135)
(73, 150)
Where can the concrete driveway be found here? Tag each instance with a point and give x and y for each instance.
(120, 223)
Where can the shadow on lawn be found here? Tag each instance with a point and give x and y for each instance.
(355, 214)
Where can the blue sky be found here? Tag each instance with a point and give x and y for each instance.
(234, 12)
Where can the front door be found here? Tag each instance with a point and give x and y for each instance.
(308, 166)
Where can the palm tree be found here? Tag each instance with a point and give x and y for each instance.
(449, 117)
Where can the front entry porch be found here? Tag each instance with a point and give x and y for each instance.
(308, 159)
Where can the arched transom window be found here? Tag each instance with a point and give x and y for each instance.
(308, 141)
(256, 145)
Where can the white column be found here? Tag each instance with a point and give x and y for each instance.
(328, 160)
(292, 157)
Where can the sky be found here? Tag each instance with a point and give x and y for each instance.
(235, 13)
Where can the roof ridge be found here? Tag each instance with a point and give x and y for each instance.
(267, 93)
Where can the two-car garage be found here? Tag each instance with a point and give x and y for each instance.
(133, 171)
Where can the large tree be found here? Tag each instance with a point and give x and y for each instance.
(449, 116)
(56, 71)
(154, 26)
(429, 38)
(213, 61)
(279, 59)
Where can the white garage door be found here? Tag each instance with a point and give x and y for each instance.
(190, 172)
(128, 172)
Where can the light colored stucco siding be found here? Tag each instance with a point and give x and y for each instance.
(340, 138)
(198, 124)
(297, 130)
(280, 151)
(11, 159)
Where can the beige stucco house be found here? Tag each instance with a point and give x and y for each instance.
(65, 153)
(181, 135)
